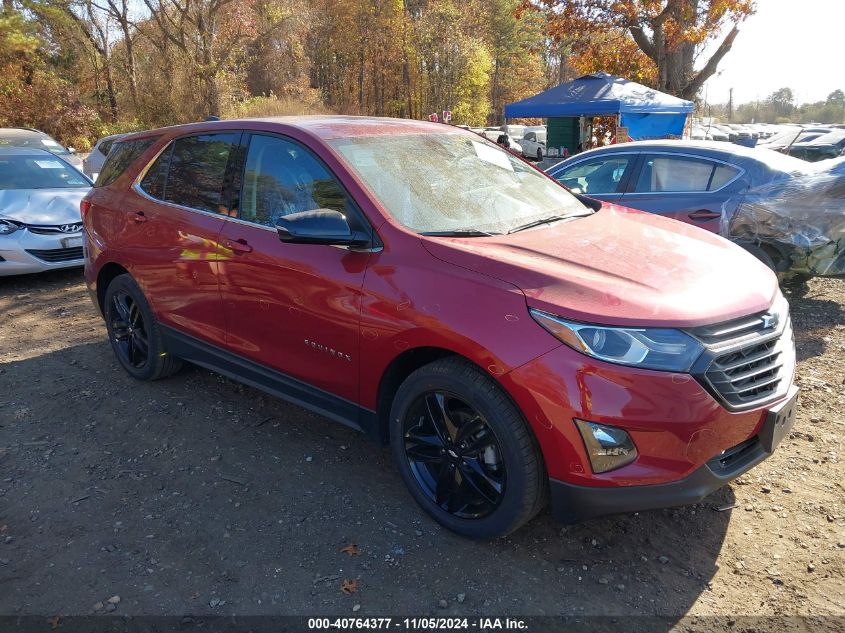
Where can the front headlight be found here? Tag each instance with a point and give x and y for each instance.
(7, 227)
(651, 348)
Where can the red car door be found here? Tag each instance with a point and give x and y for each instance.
(175, 220)
(294, 308)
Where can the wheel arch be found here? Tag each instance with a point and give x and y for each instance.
(407, 362)
(107, 273)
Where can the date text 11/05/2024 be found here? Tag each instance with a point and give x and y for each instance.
(419, 624)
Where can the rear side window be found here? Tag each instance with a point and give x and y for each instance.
(680, 173)
(123, 154)
(191, 171)
(156, 176)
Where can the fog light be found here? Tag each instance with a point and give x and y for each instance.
(608, 447)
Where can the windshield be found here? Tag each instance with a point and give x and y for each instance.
(39, 172)
(454, 182)
(36, 142)
(830, 137)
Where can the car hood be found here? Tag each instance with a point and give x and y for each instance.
(621, 267)
(42, 206)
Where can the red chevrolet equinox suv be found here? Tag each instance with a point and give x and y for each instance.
(514, 343)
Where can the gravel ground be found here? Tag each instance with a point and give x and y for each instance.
(199, 495)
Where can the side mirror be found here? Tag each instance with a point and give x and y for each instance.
(319, 226)
(72, 150)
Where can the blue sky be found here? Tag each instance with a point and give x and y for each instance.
(791, 43)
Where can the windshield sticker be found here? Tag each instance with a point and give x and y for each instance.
(360, 156)
(49, 164)
(492, 155)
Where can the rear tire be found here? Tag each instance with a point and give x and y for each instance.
(539, 154)
(480, 472)
(134, 334)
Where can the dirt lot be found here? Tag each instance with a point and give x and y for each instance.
(198, 495)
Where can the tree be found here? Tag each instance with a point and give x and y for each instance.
(670, 33)
(836, 98)
(782, 101)
(213, 35)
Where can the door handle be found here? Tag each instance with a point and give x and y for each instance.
(238, 246)
(139, 217)
(704, 214)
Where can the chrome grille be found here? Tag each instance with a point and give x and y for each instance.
(52, 230)
(750, 361)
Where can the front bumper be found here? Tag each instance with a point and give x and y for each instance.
(572, 503)
(680, 430)
(25, 252)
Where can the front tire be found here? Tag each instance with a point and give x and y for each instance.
(539, 154)
(464, 451)
(134, 333)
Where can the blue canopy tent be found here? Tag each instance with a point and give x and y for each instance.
(646, 112)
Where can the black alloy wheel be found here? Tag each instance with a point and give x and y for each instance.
(134, 333)
(465, 451)
(131, 340)
(454, 455)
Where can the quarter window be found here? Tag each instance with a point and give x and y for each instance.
(282, 177)
(124, 154)
(681, 173)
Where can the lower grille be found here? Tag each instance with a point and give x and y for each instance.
(57, 254)
(736, 456)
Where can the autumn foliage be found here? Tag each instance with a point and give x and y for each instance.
(81, 68)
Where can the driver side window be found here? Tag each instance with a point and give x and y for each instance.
(282, 177)
(595, 176)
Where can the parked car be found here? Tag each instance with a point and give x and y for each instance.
(782, 141)
(534, 144)
(822, 147)
(697, 132)
(501, 138)
(697, 182)
(515, 132)
(28, 137)
(93, 163)
(715, 132)
(506, 339)
(40, 226)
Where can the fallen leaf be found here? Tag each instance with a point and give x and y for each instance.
(350, 549)
(349, 586)
(195, 595)
(53, 622)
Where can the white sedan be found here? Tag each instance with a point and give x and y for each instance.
(534, 144)
(40, 224)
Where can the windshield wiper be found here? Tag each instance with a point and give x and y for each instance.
(460, 233)
(549, 220)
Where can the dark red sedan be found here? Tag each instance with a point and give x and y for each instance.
(513, 342)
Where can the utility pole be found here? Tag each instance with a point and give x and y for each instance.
(730, 104)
